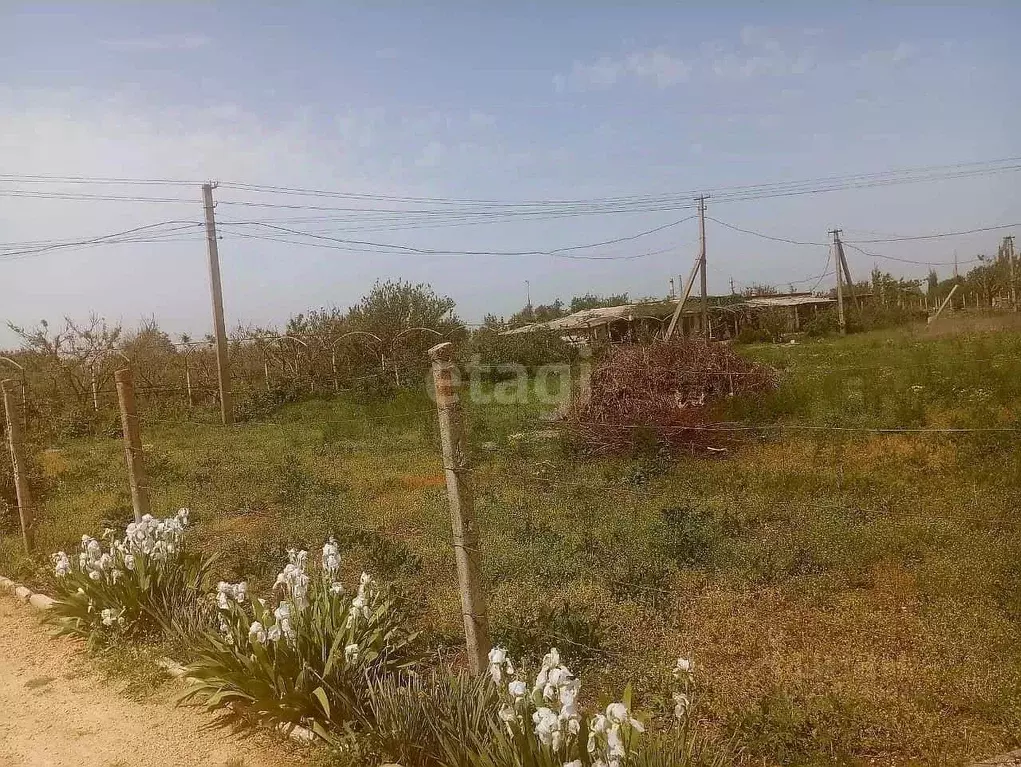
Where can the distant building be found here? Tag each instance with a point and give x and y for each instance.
(645, 321)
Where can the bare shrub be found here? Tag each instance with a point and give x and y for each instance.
(662, 396)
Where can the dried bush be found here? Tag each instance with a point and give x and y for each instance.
(662, 396)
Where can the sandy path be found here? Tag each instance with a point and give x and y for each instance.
(54, 713)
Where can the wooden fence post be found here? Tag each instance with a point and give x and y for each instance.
(132, 444)
(462, 509)
(19, 464)
(187, 381)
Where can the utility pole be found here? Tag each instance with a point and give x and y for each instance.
(462, 508)
(683, 300)
(847, 272)
(701, 249)
(841, 323)
(219, 326)
(734, 292)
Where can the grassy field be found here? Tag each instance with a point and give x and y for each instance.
(849, 596)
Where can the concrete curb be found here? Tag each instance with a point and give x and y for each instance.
(43, 602)
(24, 594)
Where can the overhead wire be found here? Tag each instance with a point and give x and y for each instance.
(127, 235)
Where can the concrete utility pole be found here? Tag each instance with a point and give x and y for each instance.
(838, 269)
(19, 465)
(684, 299)
(847, 272)
(219, 326)
(701, 249)
(943, 305)
(462, 508)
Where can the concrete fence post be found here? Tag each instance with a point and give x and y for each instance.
(132, 444)
(462, 509)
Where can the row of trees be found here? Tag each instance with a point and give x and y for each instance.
(67, 370)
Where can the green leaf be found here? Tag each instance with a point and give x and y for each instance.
(320, 694)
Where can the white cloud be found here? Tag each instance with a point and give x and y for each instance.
(477, 119)
(656, 65)
(886, 58)
(159, 43)
(662, 68)
(432, 155)
(759, 54)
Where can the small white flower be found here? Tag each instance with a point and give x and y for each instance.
(109, 616)
(61, 564)
(683, 668)
(507, 713)
(497, 662)
(331, 556)
(517, 689)
(546, 723)
(351, 653)
(94, 575)
(681, 704)
(129, 561)
(616, 712)
(575, 763)
(336, 587)
(256, 633)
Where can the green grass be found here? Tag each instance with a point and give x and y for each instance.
(848, 596)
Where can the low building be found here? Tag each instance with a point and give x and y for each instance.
(646, 321)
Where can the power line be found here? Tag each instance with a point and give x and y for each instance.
(441, 253)
(937, 235)
(32, 194)
(127, 235)
(951, 170)
(38, 178)
(909, 260)
(878, 255)
(390, 247)
(767, 236)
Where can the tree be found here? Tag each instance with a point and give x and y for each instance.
(68, 357)
(406, 319)
(592, 301)
(541, 313)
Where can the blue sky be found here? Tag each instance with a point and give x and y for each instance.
(515, 102)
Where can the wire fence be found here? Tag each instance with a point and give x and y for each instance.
(517, 484)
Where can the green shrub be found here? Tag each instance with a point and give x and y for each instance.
(532, 350)
(310, 660)
(145, 582)
(413, 716)
(688, 536)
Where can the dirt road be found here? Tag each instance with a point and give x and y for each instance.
(53, 713)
